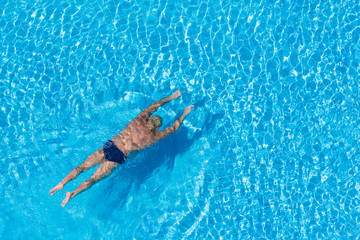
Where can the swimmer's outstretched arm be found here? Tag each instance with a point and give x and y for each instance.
(176, 124)
(150, 110)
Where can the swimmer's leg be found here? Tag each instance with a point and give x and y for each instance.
(103, 171)
(94, 159)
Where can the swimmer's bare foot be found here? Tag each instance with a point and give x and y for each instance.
(55, 189)
(65, 201)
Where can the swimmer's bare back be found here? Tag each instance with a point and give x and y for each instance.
(140, 133)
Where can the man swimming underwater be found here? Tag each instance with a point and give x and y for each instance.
(138, 134)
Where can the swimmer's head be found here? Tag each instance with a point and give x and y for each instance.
(156, 121)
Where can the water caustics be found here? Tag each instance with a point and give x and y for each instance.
(270, 151)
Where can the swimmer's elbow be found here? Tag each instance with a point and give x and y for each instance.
(175, 126)
(170, 130)
(156, 104)
(166, 132)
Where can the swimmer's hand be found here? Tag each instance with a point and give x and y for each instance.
(176, 95)
(188, 109)
(179, 121)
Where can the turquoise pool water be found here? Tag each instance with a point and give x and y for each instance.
(270, 152)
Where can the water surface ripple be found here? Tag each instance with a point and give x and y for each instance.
(271, 151)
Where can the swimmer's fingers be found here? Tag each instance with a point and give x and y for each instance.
(176, 95)
(188, 109)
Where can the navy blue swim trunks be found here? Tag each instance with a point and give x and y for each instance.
(113, 153)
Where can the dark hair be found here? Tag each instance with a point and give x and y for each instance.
(156, 121)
